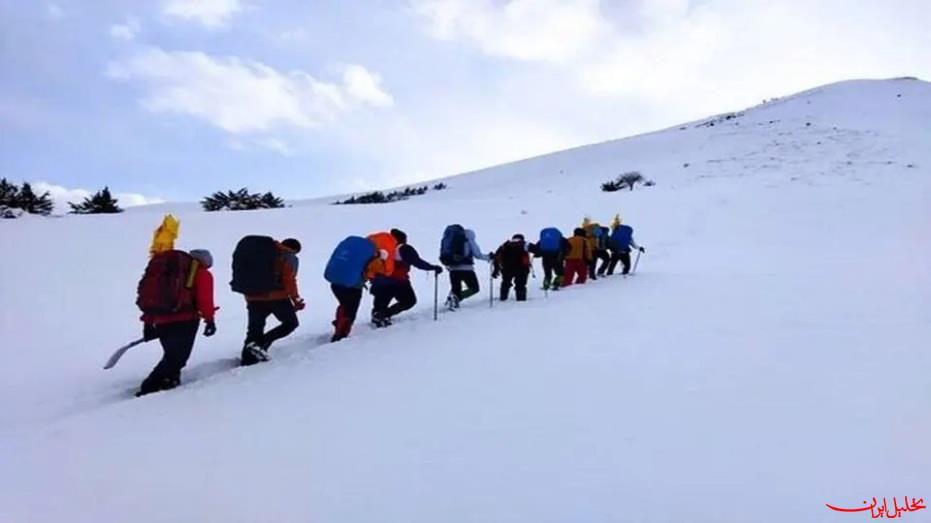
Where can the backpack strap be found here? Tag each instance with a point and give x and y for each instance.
(189, 282)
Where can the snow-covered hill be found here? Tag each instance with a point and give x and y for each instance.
(769, 357)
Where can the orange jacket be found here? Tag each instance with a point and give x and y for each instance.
(579, 249)
(286, 271)
(376, 267)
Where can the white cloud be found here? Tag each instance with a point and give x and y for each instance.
(244, 96)
(533, 30)
(54, 11)
(291, 36)
(62, 196)
(126, 31)
(210, 13)
(669, 54)
(264, 143)
(276, 145)
(365, 86)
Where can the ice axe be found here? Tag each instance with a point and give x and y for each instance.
(120, 351)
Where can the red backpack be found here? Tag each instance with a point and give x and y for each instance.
(167, 287)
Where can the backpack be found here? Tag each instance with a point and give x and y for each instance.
(621, 238)
(348, 262)
(513, 256)
(550, 240)
(255, 266)
(454, 247)
(167, 285)
(601, 239)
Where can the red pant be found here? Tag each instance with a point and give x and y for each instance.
(575, 270)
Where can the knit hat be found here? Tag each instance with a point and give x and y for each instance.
(517, 238)
(203, 256)
(399, 235)
(292, 244)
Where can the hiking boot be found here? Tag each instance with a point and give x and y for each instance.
(379, 321)
(253, 353)
(157, 385)
(452, 302)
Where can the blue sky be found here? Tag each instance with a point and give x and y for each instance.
(173, 99)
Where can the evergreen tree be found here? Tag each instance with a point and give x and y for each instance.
(241, 200)
(29, 202)
(100, 203)
(9, 194)
(270, 201)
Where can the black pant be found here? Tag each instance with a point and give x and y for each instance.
(552, 264)
(593, 270)
(458, 278)
(259, 311)
(382, 295)
(349, 300)
(405, 296)
(605, 258)
(177, 341)
(519, 280)
(620, 256)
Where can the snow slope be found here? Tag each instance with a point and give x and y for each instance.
(769, 357)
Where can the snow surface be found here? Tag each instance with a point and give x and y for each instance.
(770, 356)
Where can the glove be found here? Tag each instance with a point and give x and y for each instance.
(210, 329)
(148, 332)
(438, 270)
(299, 304)
(491, 256)
(642, 249)
(495, 274)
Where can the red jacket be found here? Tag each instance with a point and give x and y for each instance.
(203, 300)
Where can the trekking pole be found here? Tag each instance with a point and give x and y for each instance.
(491, 285)
(436, 295)
(636, 261)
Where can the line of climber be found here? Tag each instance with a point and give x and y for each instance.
(176, 290)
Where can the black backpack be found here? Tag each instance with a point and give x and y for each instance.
(453, 247)
(254, 262)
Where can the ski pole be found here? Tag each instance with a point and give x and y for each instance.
(120, 351)
(436, 295)
(636, 261)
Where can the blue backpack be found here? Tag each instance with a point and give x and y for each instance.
(550, 240)
(348, 262)
(621, 238)
(454, 247)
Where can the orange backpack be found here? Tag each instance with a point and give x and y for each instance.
(383, 241)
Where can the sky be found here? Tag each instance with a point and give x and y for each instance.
(170, 100)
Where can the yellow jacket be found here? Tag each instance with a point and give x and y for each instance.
(579, 249)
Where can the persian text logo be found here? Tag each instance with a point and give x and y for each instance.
(884, 510)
